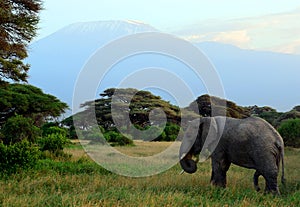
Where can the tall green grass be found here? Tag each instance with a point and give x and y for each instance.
(80, 182)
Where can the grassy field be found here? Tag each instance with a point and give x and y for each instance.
(77, 181)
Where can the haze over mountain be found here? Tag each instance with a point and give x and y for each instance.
(249, 77)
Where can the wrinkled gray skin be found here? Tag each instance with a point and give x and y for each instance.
(252, 143)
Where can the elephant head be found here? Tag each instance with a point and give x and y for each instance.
(193, 142)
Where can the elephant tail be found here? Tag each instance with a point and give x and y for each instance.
(282, 165)
(280, 158)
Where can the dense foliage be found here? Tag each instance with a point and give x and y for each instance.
(18, 156)
(290, 132)
(18, 25)
(28, 101)
(18, 128)
(21, 143)
(272, 116)
(117, 139)
(53, 142)
(138, 106)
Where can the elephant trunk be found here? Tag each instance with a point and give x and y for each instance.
(188, 164)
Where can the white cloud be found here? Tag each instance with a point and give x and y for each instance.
(276, 32)
(291, 48)
(194, 37)
(239, 38)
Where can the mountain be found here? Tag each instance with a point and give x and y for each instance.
(249, 77)
(56, 60)
(256, 77)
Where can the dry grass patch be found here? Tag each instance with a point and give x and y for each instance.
(144, 149)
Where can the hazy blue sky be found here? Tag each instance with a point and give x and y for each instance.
(253, 24)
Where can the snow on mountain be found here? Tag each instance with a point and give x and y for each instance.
(115, 27)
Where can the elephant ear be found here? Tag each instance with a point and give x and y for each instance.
(189, 138)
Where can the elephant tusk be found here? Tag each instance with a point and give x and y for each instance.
(182, 171)
(182, 156)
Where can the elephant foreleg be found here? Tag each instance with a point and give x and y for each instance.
(219, 170)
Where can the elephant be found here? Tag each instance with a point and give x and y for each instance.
(251, 143)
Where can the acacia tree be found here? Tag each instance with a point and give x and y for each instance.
(28, 101)
(139, 108)
(137, 105)
(18, 25)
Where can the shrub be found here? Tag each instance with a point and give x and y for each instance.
(19, 128)
(72, 133)
(53, 142)
(21, 155)
(172, 132)
(116, 138)
(53, 130)
(271, 117)
(290, 132)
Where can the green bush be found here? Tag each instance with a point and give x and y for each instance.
(116, 138)
(170, 133)
(173, 131)
(14, 157)
(290, 132)
(271, 117)
(53, 142)
(53, 130)
(19, 128)
(72, 133)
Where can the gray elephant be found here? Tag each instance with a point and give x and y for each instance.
(252, 143)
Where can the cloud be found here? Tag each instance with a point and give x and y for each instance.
(291, 48)
(276, 32)
(239, 38)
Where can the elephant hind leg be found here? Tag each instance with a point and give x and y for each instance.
(255, 180)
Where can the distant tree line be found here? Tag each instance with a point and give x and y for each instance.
(287, 123)
(144, 101)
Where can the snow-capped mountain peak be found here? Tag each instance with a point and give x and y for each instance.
(128, 26)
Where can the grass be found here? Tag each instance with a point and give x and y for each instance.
(77, 181)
